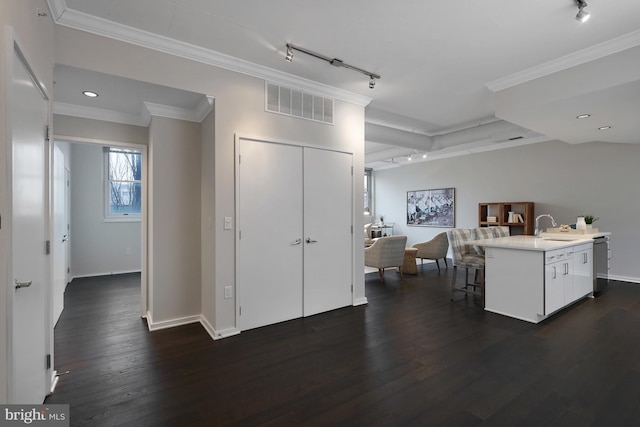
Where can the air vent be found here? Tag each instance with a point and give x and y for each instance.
(297, 103)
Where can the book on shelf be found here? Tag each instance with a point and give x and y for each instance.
(492, 219)
(518, 218)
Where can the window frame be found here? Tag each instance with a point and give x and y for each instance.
(108, 216)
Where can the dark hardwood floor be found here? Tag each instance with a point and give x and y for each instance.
(409, 357)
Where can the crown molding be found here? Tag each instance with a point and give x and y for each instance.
(57, 8)
(204, 108)
(73, 110)
(580, 57)
(92, 24)
(143, 118)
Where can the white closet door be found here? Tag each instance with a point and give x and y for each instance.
(269, 264)
(327, 230)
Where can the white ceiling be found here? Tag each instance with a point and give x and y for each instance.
(445, 65)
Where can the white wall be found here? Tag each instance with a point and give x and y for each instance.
(97, 247)
(239, 109)
(35, 35)
(174, 221)
(599, 179)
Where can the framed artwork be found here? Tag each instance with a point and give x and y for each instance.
(431, 208)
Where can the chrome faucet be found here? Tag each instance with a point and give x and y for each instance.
(553, 223)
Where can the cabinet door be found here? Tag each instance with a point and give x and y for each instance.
(582, 273)
(554, 289)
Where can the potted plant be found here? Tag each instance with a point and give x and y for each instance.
(382, 219)
(590, 219)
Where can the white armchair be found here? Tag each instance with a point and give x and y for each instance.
(386, 252)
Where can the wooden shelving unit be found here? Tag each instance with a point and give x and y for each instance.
(500, 210)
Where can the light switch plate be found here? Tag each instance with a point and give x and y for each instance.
(227, 223)
(228, 292)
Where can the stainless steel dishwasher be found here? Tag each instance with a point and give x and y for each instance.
(600, 263)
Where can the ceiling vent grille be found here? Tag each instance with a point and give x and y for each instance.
(297, 103)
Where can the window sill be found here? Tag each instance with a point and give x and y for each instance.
(123, 219)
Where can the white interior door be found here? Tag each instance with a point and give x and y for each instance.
(30, 314)
(60, 236)
(327, 230)
(269, 240)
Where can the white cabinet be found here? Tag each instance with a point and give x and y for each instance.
(567, 275)
(583, 271)
(557, 281)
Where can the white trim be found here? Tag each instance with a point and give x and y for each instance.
(111, 273)
(204, 108)
(583, 56)
(198, 114)
(54, 381)
(624, 278)
(216, 335)
(65, 109)
(92, 24)
(360, 301)
(165, 324)
(57, 8)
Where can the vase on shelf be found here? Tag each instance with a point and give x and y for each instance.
(581, 224)
(510, 218)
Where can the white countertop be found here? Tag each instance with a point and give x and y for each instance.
(574, 236)
(532, 243)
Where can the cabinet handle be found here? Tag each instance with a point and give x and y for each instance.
(296, 242)
(554, 271)
(584, 258)
(310, 240)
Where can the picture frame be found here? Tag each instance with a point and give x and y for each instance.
(431, 208)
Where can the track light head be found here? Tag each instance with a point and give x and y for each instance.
(289, 56)
(583, 15)
(372, 82)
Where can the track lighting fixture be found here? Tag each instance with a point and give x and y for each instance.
(333, 61)
(583, 15)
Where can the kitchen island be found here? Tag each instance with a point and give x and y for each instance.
(531, 278)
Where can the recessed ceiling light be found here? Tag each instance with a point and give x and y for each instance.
(604, 127)
(583, 116)
(90, 94)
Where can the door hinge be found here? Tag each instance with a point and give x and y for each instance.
(48, 361)
(239, 159)
(68, 270)
(240, 311)
(47, 247)
(352, 229)
(239, 234)
(352, 288)
(46, 133)
(351, 170)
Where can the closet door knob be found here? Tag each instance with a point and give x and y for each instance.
(309, 240)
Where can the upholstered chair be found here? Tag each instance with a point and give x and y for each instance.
(367, 235)
(465, 256)
(434, 249)
(386, 252)
(481, 233)
(500, 231)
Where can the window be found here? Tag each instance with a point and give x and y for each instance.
(123, 185)
(367, 191)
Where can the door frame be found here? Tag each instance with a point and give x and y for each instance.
(13, 46)
(145, 288)
(238, 137)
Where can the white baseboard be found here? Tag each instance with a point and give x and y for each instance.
(360, 301)
(54, 381)
(624, 278)
(216, 335)
(111, 273)
(156, 326)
